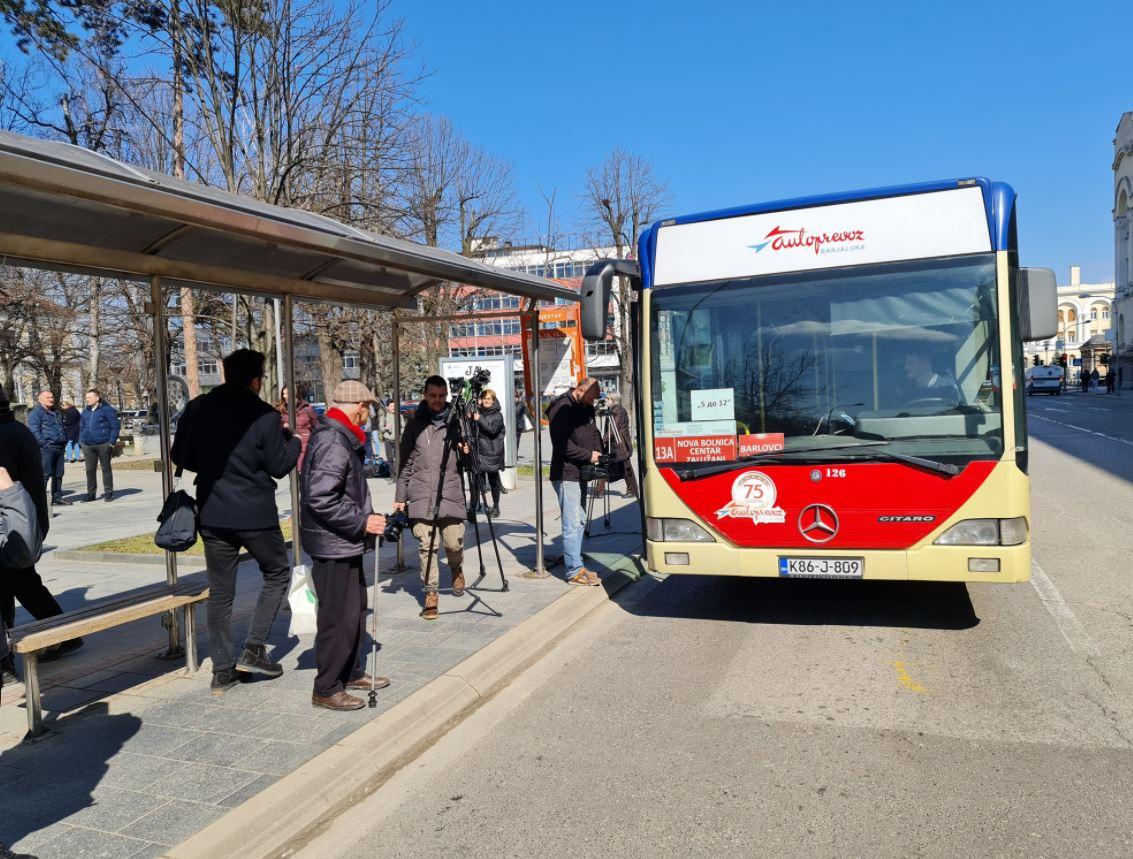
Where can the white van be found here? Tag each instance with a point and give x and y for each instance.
(1044, 380)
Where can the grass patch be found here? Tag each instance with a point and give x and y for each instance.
(142, 544)
(529, 471)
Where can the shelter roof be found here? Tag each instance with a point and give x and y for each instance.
(65, 207)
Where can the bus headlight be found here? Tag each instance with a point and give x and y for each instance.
(985, 532)
(677, 530)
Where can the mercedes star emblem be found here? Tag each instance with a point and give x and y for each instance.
(818, 523)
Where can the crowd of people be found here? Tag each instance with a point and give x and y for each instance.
(238, 446)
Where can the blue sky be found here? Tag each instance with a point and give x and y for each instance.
(737, 102)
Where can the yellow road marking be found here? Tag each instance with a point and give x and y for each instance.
(905, 679)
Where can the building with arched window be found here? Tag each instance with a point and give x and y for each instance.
(1085, 311)
(1123, 243)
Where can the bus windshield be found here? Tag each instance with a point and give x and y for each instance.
(906, 353)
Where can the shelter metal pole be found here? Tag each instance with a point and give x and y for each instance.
(162, 375)
(288, 353)
(539, 570)
(399, 563)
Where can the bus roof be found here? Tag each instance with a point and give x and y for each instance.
(999, 204)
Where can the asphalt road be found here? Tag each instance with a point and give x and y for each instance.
(699, 715)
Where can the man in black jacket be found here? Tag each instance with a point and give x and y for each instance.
(575, 442)
(338, 521)
(234, 443)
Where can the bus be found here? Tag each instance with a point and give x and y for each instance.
(832, 386)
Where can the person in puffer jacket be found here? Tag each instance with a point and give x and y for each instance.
(338, 521)
(427, 434)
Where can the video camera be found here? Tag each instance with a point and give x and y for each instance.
(395, 524)
(471, 387)
(606, 468)
(602, 406)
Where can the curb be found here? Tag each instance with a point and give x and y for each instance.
(282, 817)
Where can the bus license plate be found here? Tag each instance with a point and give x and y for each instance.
(821, 568)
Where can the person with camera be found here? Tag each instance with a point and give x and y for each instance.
(427, 437)
(338, 521)
(575, 445)
(490, 445)
(619, 442)
(232, 440)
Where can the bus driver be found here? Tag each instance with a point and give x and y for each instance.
(925, 386)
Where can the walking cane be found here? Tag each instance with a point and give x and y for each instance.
(374, 626)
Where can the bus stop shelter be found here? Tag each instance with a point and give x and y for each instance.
(69, 209)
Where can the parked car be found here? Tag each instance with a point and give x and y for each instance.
(1044, 380)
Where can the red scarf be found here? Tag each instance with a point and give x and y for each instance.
(340, 416)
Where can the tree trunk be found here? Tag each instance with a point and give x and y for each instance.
(328, 361)
(93, 352)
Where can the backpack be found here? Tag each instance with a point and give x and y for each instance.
(178, 529)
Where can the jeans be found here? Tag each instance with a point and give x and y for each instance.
(98, 454)
(572, 499)
(222, 551)
(72, 451)
(53, 469)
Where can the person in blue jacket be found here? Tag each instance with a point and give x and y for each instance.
(98, 433)
(46, 425)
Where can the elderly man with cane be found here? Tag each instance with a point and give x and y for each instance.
(338, 521)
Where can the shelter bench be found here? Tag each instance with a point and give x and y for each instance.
(32, 638)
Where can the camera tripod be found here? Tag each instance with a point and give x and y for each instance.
(607, 428)
(460, 433)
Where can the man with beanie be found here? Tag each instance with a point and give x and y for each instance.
(427, 435)
(234, 443)
(338, 521)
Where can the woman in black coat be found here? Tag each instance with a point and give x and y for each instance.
(491, 443)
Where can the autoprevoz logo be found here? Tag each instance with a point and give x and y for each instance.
(821, 243)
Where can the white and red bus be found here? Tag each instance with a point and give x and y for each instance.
(833, 386)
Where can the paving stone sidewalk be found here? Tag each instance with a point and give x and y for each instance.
(141, 756)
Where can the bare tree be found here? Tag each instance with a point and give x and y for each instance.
(622, 196)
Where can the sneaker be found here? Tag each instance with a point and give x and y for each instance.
(109, 496)
(61, 502)
(338, 701)
(458, 583)
(90, 496)
(223, 680)
(495, 511)
(254, 660)
(60, 650)
(429, 612)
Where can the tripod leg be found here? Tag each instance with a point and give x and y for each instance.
(589, 514)
(495, 546)
(606, 505)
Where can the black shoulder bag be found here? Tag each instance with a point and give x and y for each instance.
(178, 529)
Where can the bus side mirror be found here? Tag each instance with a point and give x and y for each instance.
(1038, 304)
(596, 287)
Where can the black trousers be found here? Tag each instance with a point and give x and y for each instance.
(222, 559)
(26, 586)
(53, 470)
(492, 479)
(341, 589)
(94, 454)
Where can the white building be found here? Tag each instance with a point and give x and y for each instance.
(1122, 241)
(1085, 311)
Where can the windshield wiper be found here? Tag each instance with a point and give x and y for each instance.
(920, 461)
(692, 472)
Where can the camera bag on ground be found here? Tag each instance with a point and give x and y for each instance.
(178, 529)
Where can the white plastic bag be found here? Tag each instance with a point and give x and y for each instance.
(303, 601)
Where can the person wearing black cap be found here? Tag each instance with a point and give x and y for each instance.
(20, 456)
